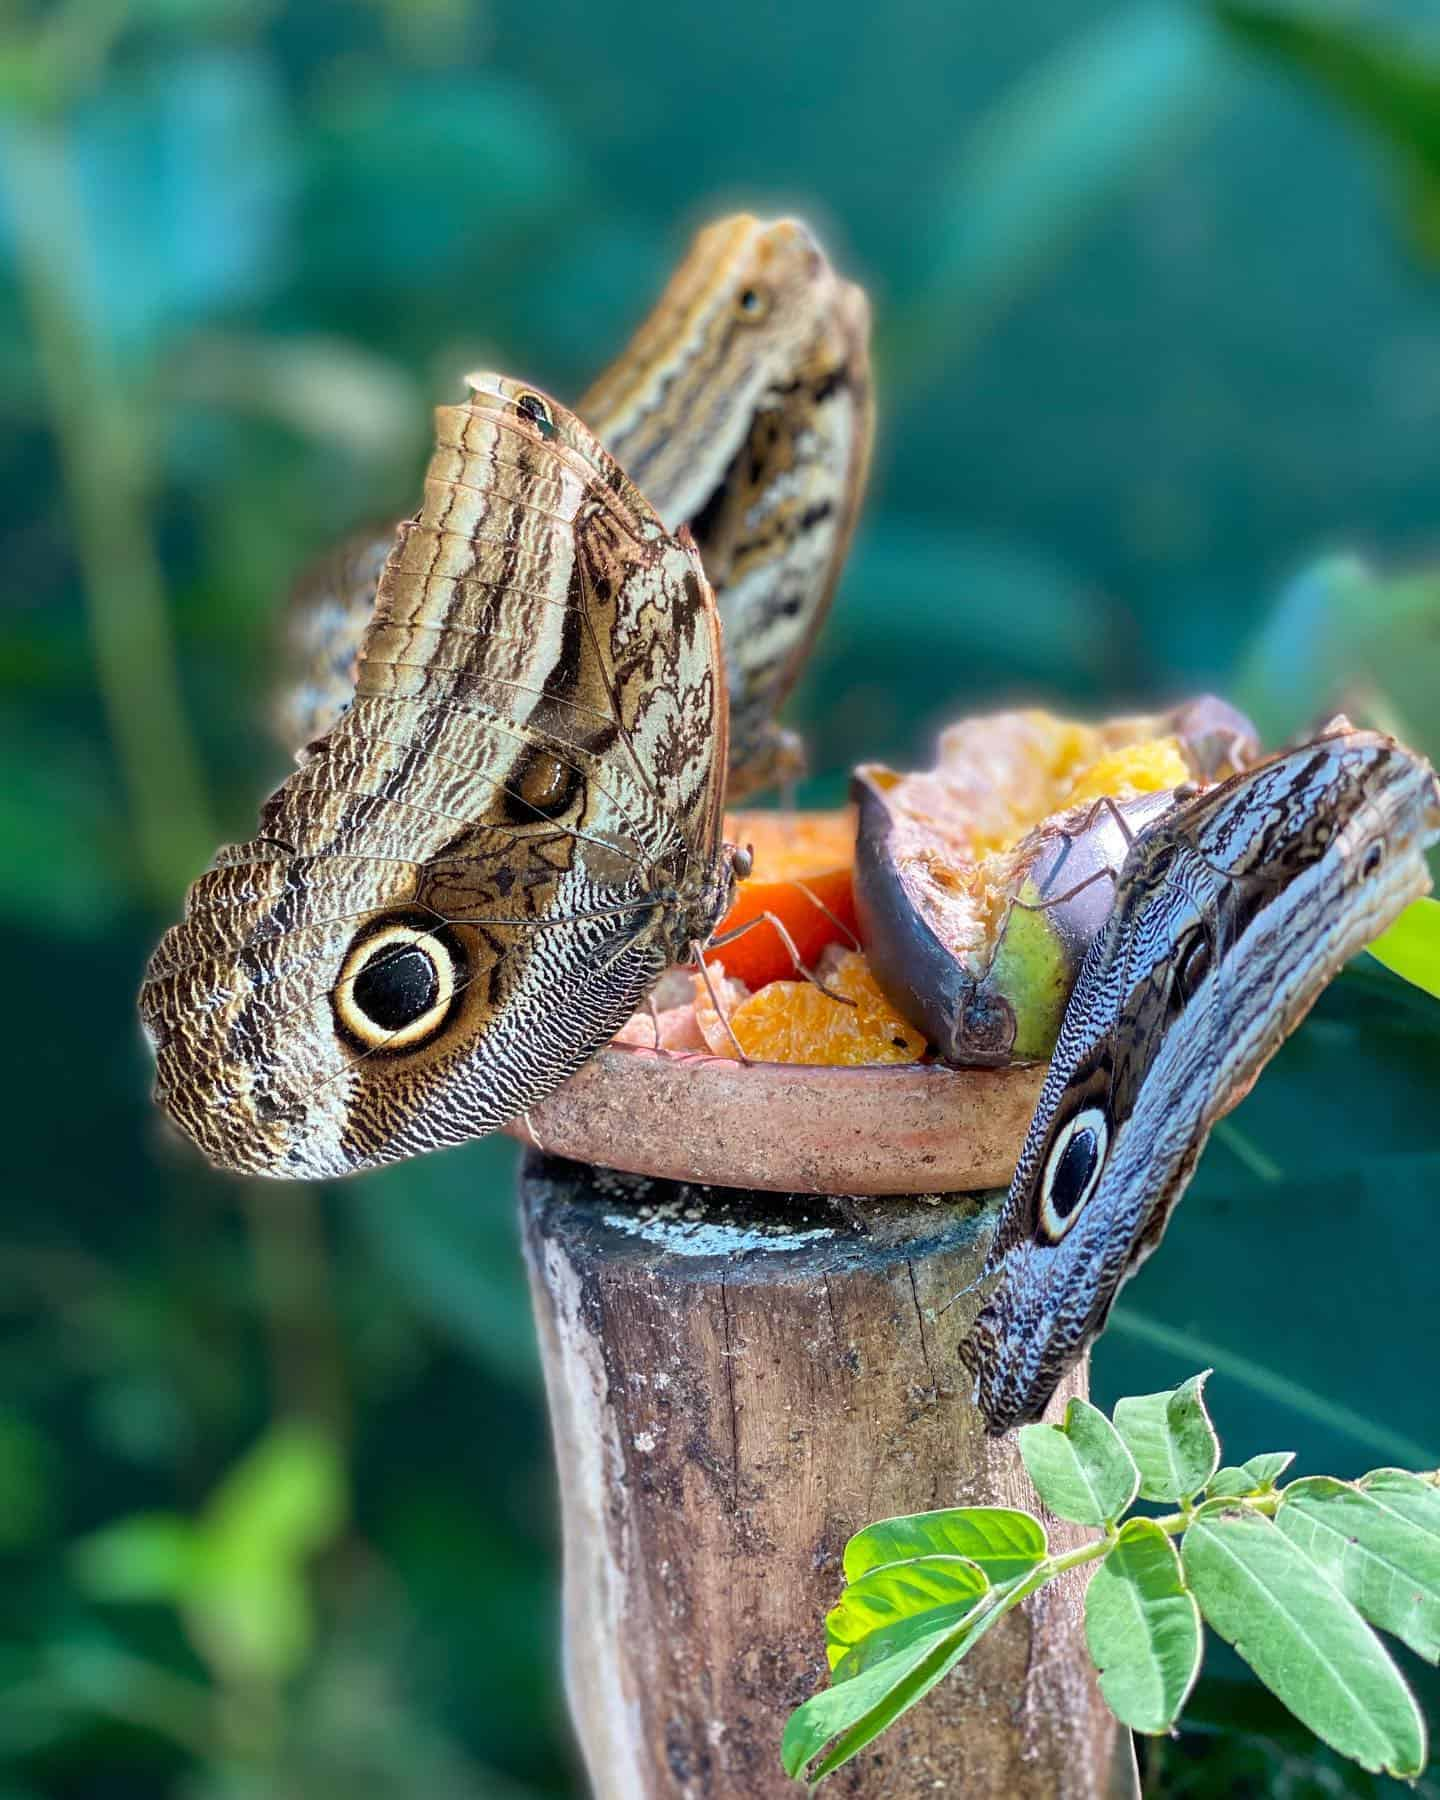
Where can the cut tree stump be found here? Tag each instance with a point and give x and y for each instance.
(738, 1381)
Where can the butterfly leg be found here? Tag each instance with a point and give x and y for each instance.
(697, 954)
(800, 965)
(1103, 804)
(654, 1018)
(834, 918)
(1105, 874)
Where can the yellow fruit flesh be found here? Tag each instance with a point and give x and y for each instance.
(795, 1022)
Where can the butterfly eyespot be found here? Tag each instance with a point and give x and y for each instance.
(1072, 1171)
(1193, 960)
(1374, 856)
(541, 788)
(752, 304)
(536, 409)
(397, 986)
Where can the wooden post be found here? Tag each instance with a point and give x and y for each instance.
(738, 1381)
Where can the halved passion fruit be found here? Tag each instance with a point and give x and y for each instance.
(980, 883)
(946, 956)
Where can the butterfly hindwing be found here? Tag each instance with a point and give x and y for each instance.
(1231, 914)
(473, 878)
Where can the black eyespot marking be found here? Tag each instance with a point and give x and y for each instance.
(752, 304)
(1373, 858)
(401, 978)
(1073, 1170)
(1193, 960)
(534, 408)
(541, 788)
(396, 987)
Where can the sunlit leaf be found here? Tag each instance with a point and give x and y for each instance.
(1388, 1566)
(1303, 1639)
(901, 1603)
(1411, 947)
(1171, 1438)
(998, 1539)
(1081, 1469)
(1143, 1629)
(286, 1498)
(862, 1708)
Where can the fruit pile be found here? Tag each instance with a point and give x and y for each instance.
(947, 912)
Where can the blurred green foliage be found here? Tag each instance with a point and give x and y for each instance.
(276, 1517)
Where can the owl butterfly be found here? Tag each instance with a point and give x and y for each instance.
(475, 876)
(742, 405)
(1232, 912)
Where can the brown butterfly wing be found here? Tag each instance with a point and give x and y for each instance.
(477, 873)
(743, 404)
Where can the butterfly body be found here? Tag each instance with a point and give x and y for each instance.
(1231, 915)
(474, 877)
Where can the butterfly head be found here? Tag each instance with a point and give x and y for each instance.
(1379, 805)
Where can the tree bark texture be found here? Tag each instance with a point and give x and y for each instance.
(738, 1381)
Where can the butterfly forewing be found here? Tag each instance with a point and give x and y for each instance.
(477, 873)
(743, 405)
(1231, 914)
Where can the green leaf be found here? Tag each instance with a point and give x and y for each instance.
(901, 1603)
(1081, 1469)
(1269, 1466)
(1341, 628)
(1303, 1639)
(150, 1556)
(247, 1605)
(1229, 1483)
(1411, 947)
(1171, 1438)
(1143, 1629)
(286, 1498)
(1414, 1497)
(1001, 1541)
(1385, 1564)
(862, 1708)
(858, 1710)
(1387, 82)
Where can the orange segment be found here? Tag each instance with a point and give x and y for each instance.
(802, 877)
(794, 1022)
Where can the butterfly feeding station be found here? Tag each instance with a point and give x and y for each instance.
(749, 1344)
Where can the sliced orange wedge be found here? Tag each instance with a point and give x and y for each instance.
(796, 1022)
(801, 877)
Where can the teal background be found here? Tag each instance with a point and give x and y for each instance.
(1158, 326)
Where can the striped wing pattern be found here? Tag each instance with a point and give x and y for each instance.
(471, 881)
(742, 404)
(1232, 914)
